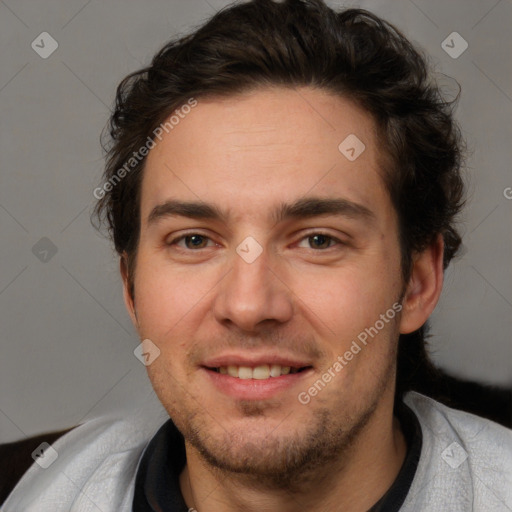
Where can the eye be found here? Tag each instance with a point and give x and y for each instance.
(319, 241)
(191, 241)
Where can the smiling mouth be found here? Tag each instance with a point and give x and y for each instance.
(260, 372)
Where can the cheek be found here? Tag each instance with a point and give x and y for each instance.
(169, 307)
(347, 297)
(344, 306)
(353, 315)
(167, 299)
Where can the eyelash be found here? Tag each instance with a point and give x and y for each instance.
(331, 238)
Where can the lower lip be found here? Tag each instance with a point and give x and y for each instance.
(254, 389)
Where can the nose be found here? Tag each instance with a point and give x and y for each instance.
(253, 295)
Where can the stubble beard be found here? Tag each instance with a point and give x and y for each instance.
(291, 462)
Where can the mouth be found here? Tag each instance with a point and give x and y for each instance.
(260, 372)
(259, 382)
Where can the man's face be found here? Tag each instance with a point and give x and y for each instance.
(322, 278)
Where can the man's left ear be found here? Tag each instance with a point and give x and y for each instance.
(424, 287)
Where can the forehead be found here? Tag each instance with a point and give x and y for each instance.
(264, 148)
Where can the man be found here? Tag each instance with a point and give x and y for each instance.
(282, 187)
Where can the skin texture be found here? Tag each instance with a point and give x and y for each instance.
(302, 297)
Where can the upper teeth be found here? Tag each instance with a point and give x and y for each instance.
(259, 372)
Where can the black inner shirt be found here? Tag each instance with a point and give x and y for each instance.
(157, 487)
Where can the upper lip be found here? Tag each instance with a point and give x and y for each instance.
(254, 360)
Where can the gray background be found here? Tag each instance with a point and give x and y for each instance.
(67, 342)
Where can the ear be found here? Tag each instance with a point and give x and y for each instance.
(128, 299)
(424, 287)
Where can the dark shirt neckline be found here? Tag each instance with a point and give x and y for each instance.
(157, 487)
(395, 496)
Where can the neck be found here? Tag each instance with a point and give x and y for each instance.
(353, 481)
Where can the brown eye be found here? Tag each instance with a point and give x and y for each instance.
(195, 241)
(191, 241)
(319, 241)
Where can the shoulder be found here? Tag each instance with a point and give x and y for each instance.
(475, 431)
(16, 458)
(466, 460)
(101, 456)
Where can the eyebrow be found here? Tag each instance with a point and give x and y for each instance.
(301, 209)
(313, 206)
